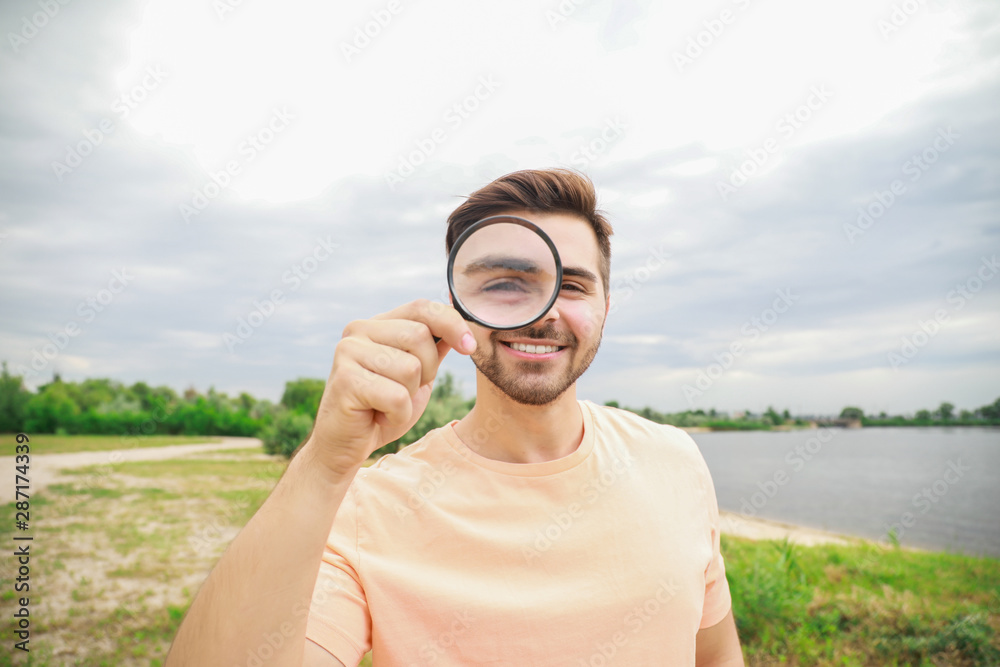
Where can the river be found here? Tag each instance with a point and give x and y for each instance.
(939, 487)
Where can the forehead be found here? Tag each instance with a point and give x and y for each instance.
(572, 235)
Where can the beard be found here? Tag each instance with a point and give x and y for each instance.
(532, 382)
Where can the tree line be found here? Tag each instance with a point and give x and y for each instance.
(107, 407)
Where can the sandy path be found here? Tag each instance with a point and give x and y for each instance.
(763, 529)
(44, 468)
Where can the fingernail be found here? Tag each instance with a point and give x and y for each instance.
(468, 342)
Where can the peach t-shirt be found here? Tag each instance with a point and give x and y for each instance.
(440, 556)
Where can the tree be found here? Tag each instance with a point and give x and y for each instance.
(991, 412)
(772, 416)
(302, 395)
(612, 404)
(945, 412)
(851, 412)
(52, 410)
(287, 431)
(923, 416)
(13, 399)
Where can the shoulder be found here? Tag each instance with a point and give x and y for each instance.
(641, 434)
(412, 462)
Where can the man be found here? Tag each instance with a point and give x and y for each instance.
(537, 530)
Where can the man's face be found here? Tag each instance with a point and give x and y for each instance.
(573, 325)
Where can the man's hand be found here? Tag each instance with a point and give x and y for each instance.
(383, 372)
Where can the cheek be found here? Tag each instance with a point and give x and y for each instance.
(482, 336)
(586, 318)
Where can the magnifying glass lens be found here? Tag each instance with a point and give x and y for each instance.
(505, 275)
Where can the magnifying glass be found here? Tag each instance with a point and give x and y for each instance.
(504, 273)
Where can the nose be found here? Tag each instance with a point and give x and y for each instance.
(552, 315)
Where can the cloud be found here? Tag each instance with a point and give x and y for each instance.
(691, 268)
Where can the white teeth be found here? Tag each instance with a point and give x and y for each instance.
(534, 349)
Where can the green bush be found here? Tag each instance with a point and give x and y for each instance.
(286, 433)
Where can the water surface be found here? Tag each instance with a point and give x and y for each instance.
(940, 487)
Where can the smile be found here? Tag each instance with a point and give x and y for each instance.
(533, 349)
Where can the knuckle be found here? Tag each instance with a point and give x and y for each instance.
(412, 367)
(351, 329)
(349, 348)
(413, 332)
(399, 399)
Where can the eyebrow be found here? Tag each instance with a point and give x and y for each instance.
(577, 272)
(493, 262)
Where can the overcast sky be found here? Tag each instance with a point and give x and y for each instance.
(806, 196)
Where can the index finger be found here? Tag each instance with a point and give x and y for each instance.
(445, 323)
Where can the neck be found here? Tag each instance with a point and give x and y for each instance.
(504, 430)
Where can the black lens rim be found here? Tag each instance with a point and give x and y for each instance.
(486, 222)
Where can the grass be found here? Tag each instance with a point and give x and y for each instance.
(62, 444)
(118, 557)
(863, 605)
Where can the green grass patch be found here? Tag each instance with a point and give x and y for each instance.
(863, 605)
(61, 444)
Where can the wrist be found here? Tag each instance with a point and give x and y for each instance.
(309, 462)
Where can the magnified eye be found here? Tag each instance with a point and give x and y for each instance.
(505, 285)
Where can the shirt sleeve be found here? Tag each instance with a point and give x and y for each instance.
(718, 598)
(339, 619)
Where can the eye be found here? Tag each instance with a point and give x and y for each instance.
(504, 285)
(573, 287)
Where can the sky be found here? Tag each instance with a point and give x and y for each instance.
(805, 196)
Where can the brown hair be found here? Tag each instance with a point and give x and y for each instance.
(539, 191)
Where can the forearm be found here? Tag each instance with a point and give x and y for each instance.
(264, 581)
